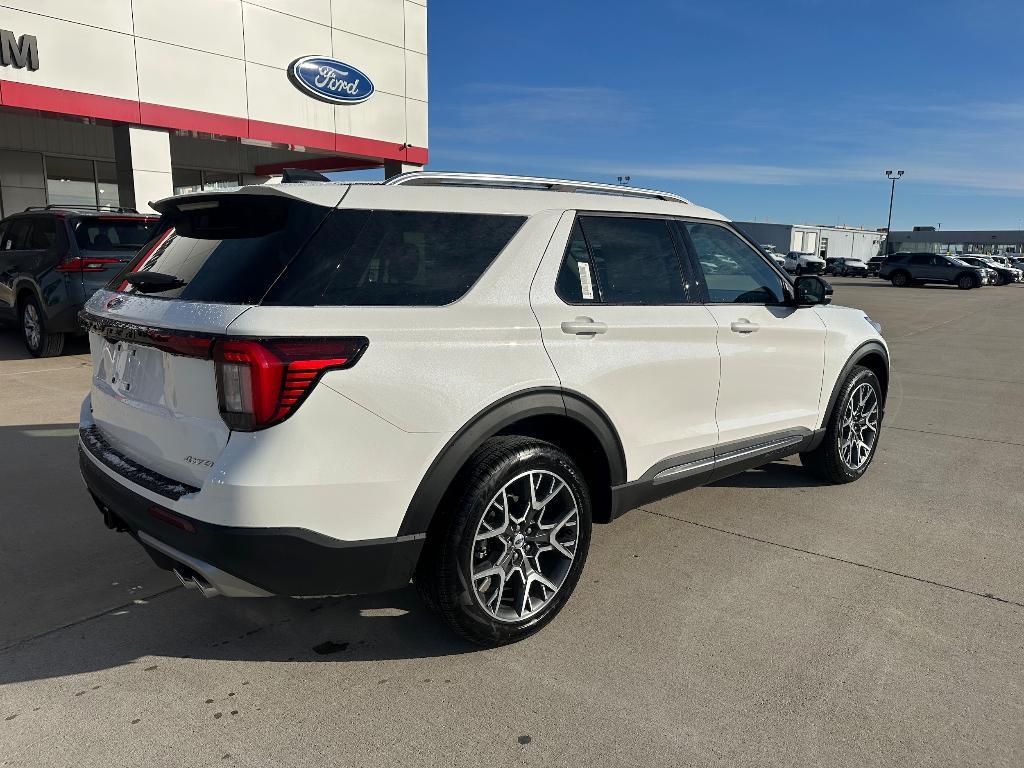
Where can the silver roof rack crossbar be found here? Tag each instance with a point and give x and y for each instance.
(440, 178)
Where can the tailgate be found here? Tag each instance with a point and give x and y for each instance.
(153, 406)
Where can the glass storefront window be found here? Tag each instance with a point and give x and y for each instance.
(106, 184)
(219, 180)
(70, 181)
(186, 180)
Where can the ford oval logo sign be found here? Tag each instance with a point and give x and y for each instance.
(330, 80)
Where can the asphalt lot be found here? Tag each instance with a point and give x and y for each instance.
(766, 620)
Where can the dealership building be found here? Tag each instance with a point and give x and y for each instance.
(824, 241)
(121, 102)
(932, 240)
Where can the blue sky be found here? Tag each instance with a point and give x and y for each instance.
(779, 110)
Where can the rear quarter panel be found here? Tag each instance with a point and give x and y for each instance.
(431, 369)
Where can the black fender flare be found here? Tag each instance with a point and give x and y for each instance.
(493, 419)
(865, 349)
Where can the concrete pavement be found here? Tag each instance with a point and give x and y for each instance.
(765, 620)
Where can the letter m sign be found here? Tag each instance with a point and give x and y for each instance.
(22, 52)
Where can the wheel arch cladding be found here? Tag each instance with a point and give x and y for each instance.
(873, 356)
(566, 419)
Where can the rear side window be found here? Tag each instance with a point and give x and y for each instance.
(631, 261)
(42, 235)
(393, 258)
(230, 252)
(110, 234)
(16, 236)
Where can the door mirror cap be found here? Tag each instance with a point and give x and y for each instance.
(809, 290)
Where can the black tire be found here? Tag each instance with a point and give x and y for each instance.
(900, 279)
(444, 576)
(38, 341)
(827, 462)
(965, 282)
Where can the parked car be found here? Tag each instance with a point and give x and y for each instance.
(905, 269)
(319, 389)
(874, 264)
(830, 262)
(1018, 262)
(774, 255)
(53, 259)
(844, 267)
(801, 263)
(1004, 274)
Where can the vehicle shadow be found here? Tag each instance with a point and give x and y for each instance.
(78, 597)
(774, 475)
(13, 348)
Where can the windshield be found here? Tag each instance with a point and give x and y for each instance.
(107, 233)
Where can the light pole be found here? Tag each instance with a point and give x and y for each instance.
(894, 177)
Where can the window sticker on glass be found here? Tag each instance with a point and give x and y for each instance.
(586, 286)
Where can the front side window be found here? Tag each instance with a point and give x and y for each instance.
(622, 260)
(921, 260)
(734, 273)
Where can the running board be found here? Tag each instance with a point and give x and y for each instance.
(696, 468)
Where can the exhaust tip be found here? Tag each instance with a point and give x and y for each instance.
(191, 580)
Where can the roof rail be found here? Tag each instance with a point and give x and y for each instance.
(440, 179)
(100, 208)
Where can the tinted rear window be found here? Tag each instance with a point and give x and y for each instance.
(393, 258)
(110, 234)
(272, 250)
(231, 253)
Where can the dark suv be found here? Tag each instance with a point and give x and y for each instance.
(53, 259)
(905, 269)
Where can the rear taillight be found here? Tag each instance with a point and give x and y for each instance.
(85, 264)
(260, 383)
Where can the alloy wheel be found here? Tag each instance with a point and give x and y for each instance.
(32, 326)
(524, 546)
(858, 431)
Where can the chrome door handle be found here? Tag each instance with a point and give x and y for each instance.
(583, 326)
(744, 326)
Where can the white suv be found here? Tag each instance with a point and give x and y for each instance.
(801, 263)
(322, 388)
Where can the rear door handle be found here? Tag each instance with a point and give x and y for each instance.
(744, 326)
(583, 326)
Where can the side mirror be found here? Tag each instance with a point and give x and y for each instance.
(810, 290)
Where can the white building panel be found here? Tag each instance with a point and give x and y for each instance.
(416, 75)
(64, 46)
(181, 77)
(415, 26)
(381, 20)
(272, 99)
(277, 39)
(416, 122)
(311, 10)
(114, 15)
(214, 26)
(382, 118)
(384, 64)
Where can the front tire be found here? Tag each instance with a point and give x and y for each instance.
(508, 553)
(851, 437)
(900, 279)
(38, 341)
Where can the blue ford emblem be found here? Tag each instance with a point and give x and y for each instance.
(330, 80)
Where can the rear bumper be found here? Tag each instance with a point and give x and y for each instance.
(252, 561)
